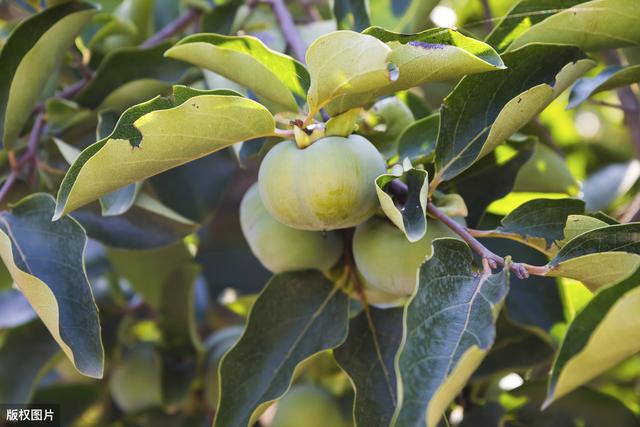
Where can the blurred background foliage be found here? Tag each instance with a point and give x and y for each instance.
(174, 289)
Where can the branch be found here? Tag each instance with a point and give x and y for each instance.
(288, 28)
(488, 16)
(630, 105)
(174, 27)
(624, 108)
(521, 270)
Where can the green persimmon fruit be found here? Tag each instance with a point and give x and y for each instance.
(381, 299)
(307, 406)
(387, 260)
(135, 381)
(326, 186)
(281, 248)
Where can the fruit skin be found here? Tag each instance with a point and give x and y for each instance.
(135, 382)
(280, 248)
(307, 406)
(326, 186)
(387, 260)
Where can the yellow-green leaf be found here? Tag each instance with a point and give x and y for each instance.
(603, 334)
(246, 60)
(593, 25)
(30, 56)
(158, 135)
(346, 63)
(599, 257)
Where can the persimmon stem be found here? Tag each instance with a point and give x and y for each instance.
(521, 270)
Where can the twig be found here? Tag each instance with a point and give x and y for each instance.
(611, 105)
(174, 27)
(289, 30)
(521, 270)
(488, 16)
(8, 183)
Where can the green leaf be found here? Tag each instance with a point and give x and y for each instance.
(445, 54)
(296, 316)
(246, 60)
(410, 215)
(334, 73)
(418, 141)
(30, 245)
(367, 357)
(603, 334)
(126, 65)
(448, 329)
(611, 77)
(593, 25)
(30, 56)
(545, 172)
(143, 143)
(539, 222)
(149, 271)
(599, 257)
(352, 14)
(343, 124)
(486, 109)
(385, 122)
(26, 355)
(491, 178)
(522, 16)
(578, 224)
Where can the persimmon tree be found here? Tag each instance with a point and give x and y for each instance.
(321, 214)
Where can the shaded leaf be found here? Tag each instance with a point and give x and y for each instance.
(515, 350)
(296, 316)
(246, 60)
(489, 179)
(26, 354)
(486, 109)
(351, 14)
(30, 56)
(607, 184)
(148, 224)
(418, 141)
(143, 142)
(410, 214)
(180, 341)
(610, 78)
(603, 334)
(14, 309)
(449, 328)
(126, 65)
(599, 257)
(46, 261)
(206, 178)
(367, 357)
(584, 406)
